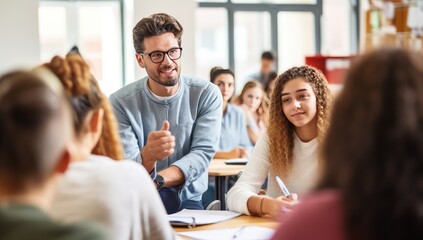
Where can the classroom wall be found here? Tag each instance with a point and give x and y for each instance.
(19, 44)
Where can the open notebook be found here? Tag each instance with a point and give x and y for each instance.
(192, 218)
(237, 161)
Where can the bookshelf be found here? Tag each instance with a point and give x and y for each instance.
(394, 23)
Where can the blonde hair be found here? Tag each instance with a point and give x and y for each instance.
(281, 130)
(85, 95)
(263, 109)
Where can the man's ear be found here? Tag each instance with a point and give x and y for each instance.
(140, 60)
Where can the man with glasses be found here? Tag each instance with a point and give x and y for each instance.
(168, 122)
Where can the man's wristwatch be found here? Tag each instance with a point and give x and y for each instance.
(159, 180)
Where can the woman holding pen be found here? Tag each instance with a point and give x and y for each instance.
(298, 118)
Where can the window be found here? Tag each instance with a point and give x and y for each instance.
(291, 28)
(252, 37)
(212, 0)
(212, 44)
(93, 26)
(295, 43)
(337, 32)
(277, 1)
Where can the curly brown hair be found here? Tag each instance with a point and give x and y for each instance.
(85, 95)
(281, 130)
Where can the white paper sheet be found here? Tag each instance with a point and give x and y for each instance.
(244, 233)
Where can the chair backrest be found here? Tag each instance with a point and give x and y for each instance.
(215, 205)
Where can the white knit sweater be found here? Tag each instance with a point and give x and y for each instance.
(300, 180)
(119, 195)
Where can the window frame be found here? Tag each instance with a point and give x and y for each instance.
(122, 26)
(273, 9)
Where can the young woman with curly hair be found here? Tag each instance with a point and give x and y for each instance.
(298, 118)
(253, 100)
(371, 186)
(117, 194)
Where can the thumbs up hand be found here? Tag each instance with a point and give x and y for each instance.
(160, 145)
(166, 126)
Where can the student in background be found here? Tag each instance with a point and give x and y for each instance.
(254, 102)
(267, 65)
(234, 141)
(117, 194)
(33, 157)
(269, 86)
(298, 118)
(371, 186)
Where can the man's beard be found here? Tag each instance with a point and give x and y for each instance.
(171, 83)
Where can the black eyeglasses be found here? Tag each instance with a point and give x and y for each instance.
(158, 56)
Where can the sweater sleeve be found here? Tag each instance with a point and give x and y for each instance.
(205, 136)
(126, 130)
(251, 179)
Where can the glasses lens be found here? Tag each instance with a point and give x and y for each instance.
(156, 56)
(174, 53)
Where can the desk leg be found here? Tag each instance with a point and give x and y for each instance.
(221, 186)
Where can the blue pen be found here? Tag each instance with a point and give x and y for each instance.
(283, 187)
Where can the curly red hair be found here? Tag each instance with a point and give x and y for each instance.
(85, 95)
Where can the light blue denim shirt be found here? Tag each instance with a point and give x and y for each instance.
(194, 114)
(234, 129)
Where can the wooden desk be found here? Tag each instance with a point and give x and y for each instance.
(221, 171)
(240, 221)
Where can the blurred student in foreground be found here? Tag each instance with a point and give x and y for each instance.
(33, 157)
(117, 194)
(372, 182)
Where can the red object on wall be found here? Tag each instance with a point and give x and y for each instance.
(333, 67)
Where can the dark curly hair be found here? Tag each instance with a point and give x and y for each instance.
(281, 130)
(374, 147)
